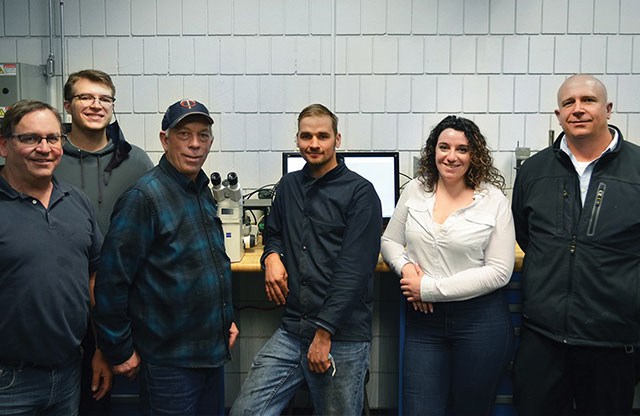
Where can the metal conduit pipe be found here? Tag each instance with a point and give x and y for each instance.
(49, 69)
(332, 99)
(62, 53)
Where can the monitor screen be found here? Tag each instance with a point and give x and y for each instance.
(379, 168)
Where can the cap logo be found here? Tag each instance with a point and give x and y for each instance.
(187, 103)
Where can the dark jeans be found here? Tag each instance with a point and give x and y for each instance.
(29, 390)
(181, 391)
(549, 376)
(455, 357)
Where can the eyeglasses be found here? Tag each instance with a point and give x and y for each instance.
(34, 139)
(88, 99)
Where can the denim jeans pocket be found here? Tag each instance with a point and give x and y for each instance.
(7, 377)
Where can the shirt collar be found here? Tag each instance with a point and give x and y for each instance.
(331, 174)
(612, 145)
(185, 182)
(60, 189)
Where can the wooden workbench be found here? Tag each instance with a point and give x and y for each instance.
(251, 261)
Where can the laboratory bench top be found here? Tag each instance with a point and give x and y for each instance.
(251, 261)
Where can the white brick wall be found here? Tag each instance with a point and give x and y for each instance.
(528, 18)
(476, 17)
(392, 70)
(92, 18)
(580, 16)
(629, 10)
(475, 89)
(359, 132)
(606, 16)
(155, 55)
(39, 18)
(105, 54)
(130, 55)
(554, 16)
(118, 18)
(16, 18)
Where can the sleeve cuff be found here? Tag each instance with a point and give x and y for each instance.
(264, 256)
(427, 289)
(118, 358)
(326, 327)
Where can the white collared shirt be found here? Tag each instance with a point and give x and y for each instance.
(471, 254)
(585, 169)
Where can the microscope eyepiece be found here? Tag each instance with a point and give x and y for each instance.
(215, 179)
(232, 177)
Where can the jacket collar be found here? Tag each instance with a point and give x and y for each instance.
(606, 156)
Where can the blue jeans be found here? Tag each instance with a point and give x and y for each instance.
(181, 391)
(281, 367)
(454, 358)
(27, 390)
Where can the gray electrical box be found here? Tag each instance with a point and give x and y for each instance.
(20, 81)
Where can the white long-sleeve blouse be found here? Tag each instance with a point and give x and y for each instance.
(471, 254)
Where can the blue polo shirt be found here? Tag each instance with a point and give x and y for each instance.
(46, 257)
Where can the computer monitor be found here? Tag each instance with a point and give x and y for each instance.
(379, 168)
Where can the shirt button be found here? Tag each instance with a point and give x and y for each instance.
(34, 201)
(304, 247)
(221, 276)
(304, 283)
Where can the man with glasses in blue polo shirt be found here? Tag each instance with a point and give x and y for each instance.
(49, 251)
(163, 291)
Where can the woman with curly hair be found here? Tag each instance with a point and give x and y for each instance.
(452, 241)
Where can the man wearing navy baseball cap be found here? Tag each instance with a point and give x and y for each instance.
(163, 290)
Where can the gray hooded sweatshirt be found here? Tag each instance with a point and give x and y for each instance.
(103, 175)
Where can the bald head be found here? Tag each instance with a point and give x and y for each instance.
(582, 80)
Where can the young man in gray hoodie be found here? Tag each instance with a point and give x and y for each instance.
(98, 160)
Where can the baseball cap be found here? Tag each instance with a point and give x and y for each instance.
(183, 108)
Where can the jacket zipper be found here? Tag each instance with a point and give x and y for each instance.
(595, 212)
(572, 252)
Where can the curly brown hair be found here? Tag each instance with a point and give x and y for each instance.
(481, 168)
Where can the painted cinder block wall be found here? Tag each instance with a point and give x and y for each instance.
(389, 68)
